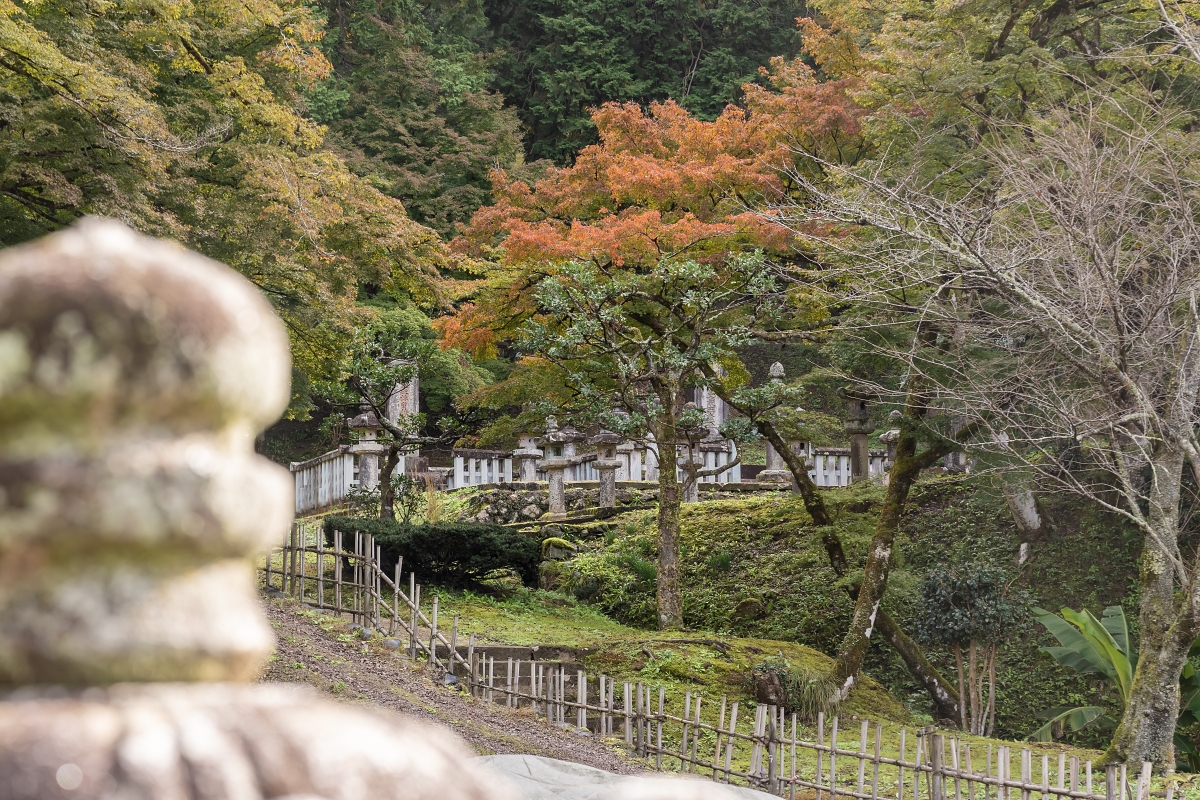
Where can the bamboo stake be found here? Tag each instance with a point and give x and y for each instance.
(729, 741)
(337, 571)
(581, 695)
(628, 729)
(917, 762)
(862, 757)
(792, 793)
(875, 766)
(396, 598)
(717, 748)
(658, 747)
(821, 753)
(320, 568)
(1143, 783)
(470, 662)
(833, 759)
(683, 745)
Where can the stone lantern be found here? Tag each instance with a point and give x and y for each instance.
(136, 375)
(777, 470)
(559, 446)
(858, 425)
(526, 457)
(368, 448)
(607, 465)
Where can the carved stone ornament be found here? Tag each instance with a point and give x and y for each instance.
(134, 376)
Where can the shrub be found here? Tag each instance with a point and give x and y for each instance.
(452, 554)
(806, 692)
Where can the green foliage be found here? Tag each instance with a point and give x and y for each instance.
(408, 106)
(1088, 646)
(183, 120)
(1103, 646)
(458, 554)
(720, 561)
(967, 602)
(559, 58)
(644, 569)
(809, 692)
(779, 558)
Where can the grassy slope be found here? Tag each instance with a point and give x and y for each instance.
(629, 653)
(756, 568)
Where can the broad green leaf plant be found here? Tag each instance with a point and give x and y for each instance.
(1103, 647)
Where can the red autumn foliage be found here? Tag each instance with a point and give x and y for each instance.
(659, 183)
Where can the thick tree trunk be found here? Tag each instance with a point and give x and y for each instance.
(864, 623)
(1167, 626)
(387, 493)
(670, 596)
(1147, 730)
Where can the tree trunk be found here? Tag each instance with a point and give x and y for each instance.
(962, 707)
(945, 699)
(1167, 630)
(879, 561)
(991, 706)
(387, 493)
(670, 597)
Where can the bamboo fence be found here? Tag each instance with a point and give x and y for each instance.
(762, 746)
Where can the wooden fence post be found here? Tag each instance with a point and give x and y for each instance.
(935, 766)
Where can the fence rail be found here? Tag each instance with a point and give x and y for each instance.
(766, 748)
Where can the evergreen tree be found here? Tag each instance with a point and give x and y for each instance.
(557, 59)
(408, 105)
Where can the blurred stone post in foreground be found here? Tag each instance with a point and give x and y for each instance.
(134, 376)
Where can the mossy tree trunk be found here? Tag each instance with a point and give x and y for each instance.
(387, 492)
(669, 594)
(905, 471)
(1168, 624)
(940, 690)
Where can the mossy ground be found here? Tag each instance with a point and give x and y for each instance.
(711, 666)
(757, 568)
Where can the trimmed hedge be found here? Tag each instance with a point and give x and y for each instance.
(450, 554)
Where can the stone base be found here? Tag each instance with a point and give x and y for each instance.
(781, 476)
(224, 741)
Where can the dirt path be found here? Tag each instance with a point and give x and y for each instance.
(325, 656)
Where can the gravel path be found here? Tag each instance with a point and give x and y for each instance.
(308, 654)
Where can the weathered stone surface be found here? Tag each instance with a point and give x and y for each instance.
(224, 741)
(133, 378)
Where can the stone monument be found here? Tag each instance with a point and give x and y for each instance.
(858, 426)
(526, 457)
(777, 469)
(559, 445)
(368, 448)
(134, 376)
(607, 464)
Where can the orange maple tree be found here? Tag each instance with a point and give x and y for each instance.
(660, 183)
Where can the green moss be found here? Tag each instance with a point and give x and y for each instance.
(772, 560)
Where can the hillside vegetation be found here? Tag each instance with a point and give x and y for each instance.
(756, 568)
